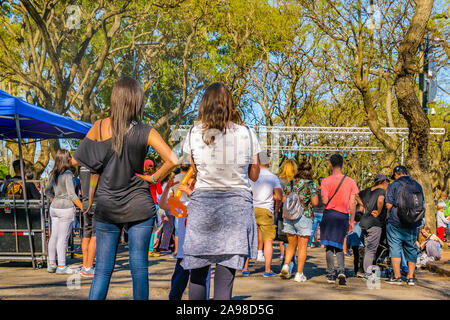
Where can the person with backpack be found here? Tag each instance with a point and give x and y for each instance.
(298, 213)
(339, 197)
(373, 220)
(14, 188)
(405, 200)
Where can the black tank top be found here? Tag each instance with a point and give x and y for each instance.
(121, 196)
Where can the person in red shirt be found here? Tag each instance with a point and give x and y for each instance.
(338, 194)
(155, 190)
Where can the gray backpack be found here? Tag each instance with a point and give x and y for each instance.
(292, 206)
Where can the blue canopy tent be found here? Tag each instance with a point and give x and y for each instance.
(22, 120)
(35, 122)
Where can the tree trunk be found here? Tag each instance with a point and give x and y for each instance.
(410, 107)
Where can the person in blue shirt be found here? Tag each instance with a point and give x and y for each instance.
(401, 238)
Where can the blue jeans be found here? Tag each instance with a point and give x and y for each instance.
(108, 235)
(317, 218)
(402, 243)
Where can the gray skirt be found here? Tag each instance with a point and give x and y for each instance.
(221, 229)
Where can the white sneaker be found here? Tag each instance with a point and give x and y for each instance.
(66, 270)
(285, 272)
(260, 257)
(300, 277)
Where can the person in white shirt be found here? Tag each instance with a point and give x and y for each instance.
(221, 226)
(265, 190)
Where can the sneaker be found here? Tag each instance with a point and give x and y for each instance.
(66, 270)
(153, 255)
(331, 278)
(51, 269)
(300, 277)
(342, 280)
(245, 273)
(260, 257)
(411, 281)
(397, 281)
(269, 274)
(285, 272)
(87, 273)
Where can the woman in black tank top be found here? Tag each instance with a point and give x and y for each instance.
(115, 148)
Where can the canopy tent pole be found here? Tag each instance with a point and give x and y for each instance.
(25, 197)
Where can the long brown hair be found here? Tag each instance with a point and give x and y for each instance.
(217, 110)
(62, 163)
(305, 171)
(127, 100)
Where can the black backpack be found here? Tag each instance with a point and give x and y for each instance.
(14, 189)
(410, 209)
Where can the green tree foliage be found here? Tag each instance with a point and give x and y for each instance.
(290, 63)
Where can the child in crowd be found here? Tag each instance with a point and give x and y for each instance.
(429, 246)
(442, 222)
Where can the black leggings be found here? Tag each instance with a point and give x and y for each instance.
(223, 283)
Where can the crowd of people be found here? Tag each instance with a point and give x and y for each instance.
(236, 207)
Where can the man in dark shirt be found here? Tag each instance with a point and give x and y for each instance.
(400, 237)
(31, 190)
(374, 218)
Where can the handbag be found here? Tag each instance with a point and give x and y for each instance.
(292, 206)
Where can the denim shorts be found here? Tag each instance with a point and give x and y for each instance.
(401, 239)
(301, 227)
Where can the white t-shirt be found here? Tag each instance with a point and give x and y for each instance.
(224, 163)
(263, 189)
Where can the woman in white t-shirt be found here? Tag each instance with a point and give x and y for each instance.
(221, 226)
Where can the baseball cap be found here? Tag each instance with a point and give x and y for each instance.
(148, 164)
(380, 178)
(399, 170)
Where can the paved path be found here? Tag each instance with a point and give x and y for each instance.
(20, 281)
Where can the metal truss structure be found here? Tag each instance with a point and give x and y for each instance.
(324, 149)
(338, 130)
(305, 139)
(364, 131)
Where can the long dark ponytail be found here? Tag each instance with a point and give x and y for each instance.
(127, 100)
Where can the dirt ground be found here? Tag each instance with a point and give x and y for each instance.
(18, 280)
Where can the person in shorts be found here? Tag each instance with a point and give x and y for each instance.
(88, 243)
(401, 237)
(266, 190)
(299, 231)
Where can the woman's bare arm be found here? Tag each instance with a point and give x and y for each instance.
(92, 135)
(163, 204)
(315, 201)
(253, 171)
(167, 155)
